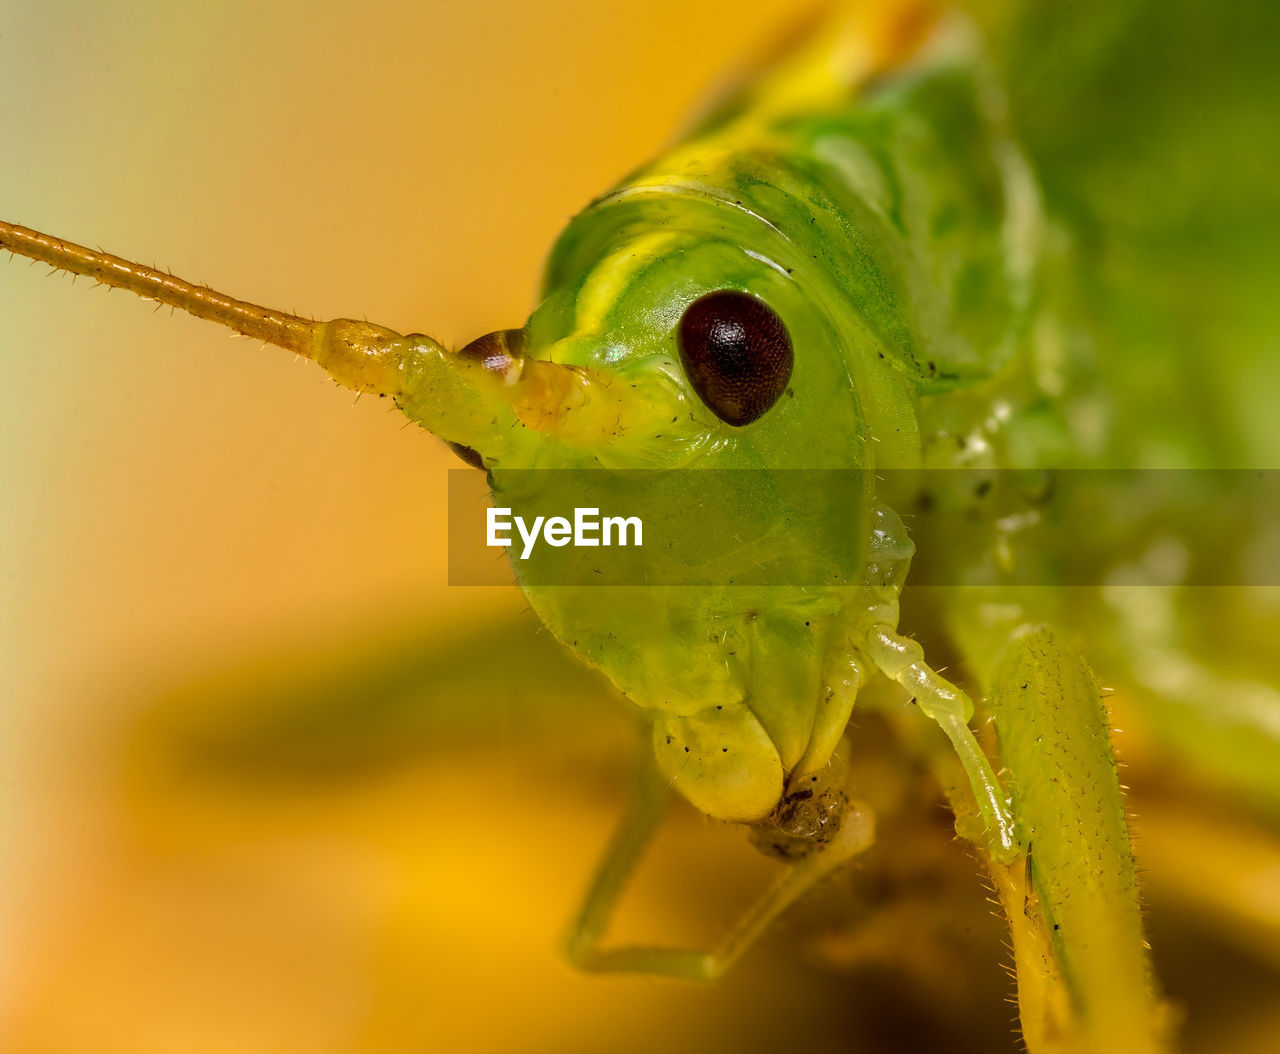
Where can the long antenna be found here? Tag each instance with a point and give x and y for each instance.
(479, 397)
(273, 327)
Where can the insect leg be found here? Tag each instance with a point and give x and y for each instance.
(1084, 974)
(902, 659)
(856, 832)
(633, 835)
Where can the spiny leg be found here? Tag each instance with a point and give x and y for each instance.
(856, 833)
(645, 812)
(1084, 974)
(902, 659)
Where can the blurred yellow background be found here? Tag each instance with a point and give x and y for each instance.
(183, 508)
(269, 783)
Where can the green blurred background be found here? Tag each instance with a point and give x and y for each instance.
(269, 783)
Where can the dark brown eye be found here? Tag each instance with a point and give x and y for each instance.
(736, 354)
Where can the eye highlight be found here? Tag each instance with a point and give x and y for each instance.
(736, 353)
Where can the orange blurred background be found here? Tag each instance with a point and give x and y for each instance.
(195, 526)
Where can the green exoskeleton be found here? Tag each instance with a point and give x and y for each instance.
(847, 266)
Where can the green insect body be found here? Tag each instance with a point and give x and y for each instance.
(894, 283)
(868, 210)
(894, 231)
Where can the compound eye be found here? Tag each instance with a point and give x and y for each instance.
(736, 354)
